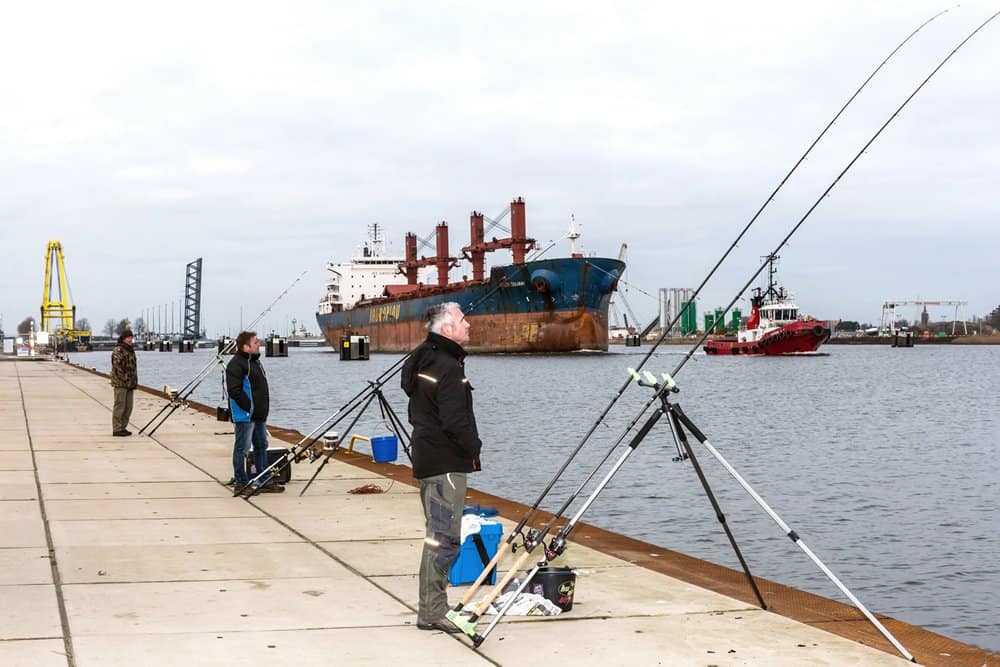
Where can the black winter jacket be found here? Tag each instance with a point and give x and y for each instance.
(445, 438)
(244, 365)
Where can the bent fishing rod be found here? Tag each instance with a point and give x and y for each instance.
(558, 543)
(178, 399)
(305, 447)
(529, 515)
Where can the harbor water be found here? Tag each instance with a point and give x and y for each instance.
(885, 461)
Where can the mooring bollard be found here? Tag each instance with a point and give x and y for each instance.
(354, 348)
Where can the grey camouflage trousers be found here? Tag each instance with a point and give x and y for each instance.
(443, 498)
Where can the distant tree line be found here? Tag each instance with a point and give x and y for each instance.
(113, 327)
(993, 319)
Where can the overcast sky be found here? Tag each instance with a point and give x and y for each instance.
(265, 137)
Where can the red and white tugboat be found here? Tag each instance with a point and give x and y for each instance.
(774, 326)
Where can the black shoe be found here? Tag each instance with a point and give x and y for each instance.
(126, 432)
(272, 487)
(120, 434)
(439, 624)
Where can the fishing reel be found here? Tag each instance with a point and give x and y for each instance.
(556, 547)
(528, 540)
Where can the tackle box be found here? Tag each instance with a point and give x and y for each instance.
(476, 553)
(273, 455)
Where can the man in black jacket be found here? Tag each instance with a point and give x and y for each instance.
(249, 401)
(445, 447)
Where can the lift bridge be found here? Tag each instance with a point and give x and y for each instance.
(889, 313)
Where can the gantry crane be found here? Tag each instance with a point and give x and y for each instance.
(61, 312)
(616, 296)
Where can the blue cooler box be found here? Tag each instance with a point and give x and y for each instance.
(477, 551)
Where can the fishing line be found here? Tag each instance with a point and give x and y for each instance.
(361, 399)
(660, 392)
(783, 242)
(177, 399)
(600, 419)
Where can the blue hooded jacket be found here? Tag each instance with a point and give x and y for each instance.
(246, 384)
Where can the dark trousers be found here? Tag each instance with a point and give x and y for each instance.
(248, 433)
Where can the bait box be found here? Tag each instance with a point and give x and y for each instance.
(474, 557)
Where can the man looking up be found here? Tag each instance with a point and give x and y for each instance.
(444, 446)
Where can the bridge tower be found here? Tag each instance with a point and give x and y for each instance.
(192, 301)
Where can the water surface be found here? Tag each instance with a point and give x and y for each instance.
(884, 460)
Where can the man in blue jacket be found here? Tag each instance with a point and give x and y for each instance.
(445, 447)
(249, 401)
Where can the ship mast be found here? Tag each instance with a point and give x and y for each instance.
(773, 291)
(573, 235)
(373, 248)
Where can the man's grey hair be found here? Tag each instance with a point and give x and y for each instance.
(440, 314)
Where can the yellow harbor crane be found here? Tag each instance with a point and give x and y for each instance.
(59, 313)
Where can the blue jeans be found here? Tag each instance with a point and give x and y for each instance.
(247, 433)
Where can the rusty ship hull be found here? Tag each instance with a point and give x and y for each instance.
(545, 306)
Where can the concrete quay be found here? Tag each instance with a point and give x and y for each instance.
(130, 551)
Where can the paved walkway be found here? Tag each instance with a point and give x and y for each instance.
(129, 551)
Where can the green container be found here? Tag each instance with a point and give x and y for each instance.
(689, 318)
(720, 320)
(734, 320)
(709, 321)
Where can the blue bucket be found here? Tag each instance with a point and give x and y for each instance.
(384, 448)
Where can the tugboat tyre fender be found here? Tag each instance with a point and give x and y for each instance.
(817, 331)
(545, 281)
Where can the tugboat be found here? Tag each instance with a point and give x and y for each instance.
(774, 326)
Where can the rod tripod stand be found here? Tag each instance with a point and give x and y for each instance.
(310, 447)
(388, 415)
(680, 426)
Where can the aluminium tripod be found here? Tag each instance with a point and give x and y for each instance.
(679, 422)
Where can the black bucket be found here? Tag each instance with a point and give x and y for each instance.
(555, 584)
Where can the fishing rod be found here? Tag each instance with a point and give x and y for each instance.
(179, 398)
(305, 447)
(614, 400)
(558, 543)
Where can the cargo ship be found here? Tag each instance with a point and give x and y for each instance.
(528, 306)
(774, 326)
